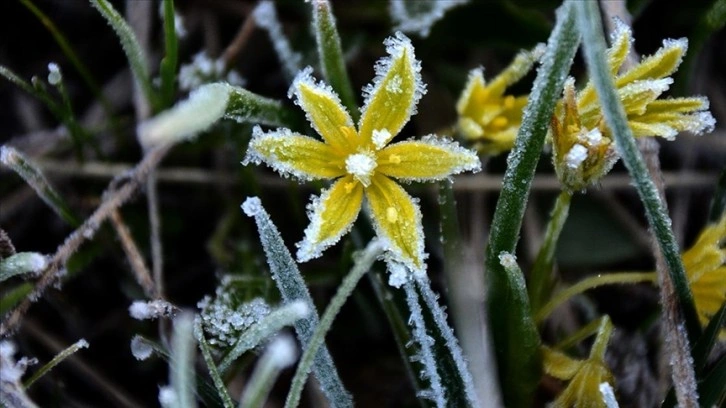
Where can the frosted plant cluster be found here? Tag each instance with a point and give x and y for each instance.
(204, 69)
(225, 317)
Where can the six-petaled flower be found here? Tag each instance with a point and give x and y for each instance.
(362, 161)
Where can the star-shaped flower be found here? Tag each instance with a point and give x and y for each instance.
(582, 148)
(487, 116)
(361, 160)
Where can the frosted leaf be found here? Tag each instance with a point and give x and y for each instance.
(203, 108)
(608, 395)
(508, 260)
(54, 74)
(140, 349)
(22, 263)
(226, 316)
(252, 206)
(420, 15)
(154, 309)
(576, 155)
(266, 18)
(700, 123)
(283, 351)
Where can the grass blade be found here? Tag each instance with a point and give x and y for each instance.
(80, 344)
(514, 338)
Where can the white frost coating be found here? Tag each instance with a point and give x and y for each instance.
(167, 397)
(593, 138)
(398, 274)
(252, 206)
(140, 349)
(283, 351)
(701, 122)
(154, 309)
(281, 145)
(310, 248)
(204, 70)
(576, 155)
(23, 263)
(608, 395)
(452, 343)
(8, 155)
(54, 74)
(508, 260)
(10, 371)
(266, 17)
(361, 167)
(468, 159)
(204, 107)
(305, 78)
(381, 137)
(395, 47)
(425, 342)
(224, 318)
(423, 16)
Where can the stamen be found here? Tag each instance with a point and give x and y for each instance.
(361, 166)
(391, 215)
(394, 159)
(500, 122)
(508, 102)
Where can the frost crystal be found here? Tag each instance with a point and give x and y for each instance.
(154, 309)
(608, 395)
(203, 70)
(576, 156)
(381, 138)
(266, 17)
(167, 397)
(252, 206)
(54, 74)
(361, 166)
(140, 349)
(420, 15)
(226, 316)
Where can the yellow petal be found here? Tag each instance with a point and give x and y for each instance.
(683, 105)
(430, 158)
(558, 364)
(331, 216)
(391, 99)
(324, 110)
(397, 221)
(474, 88)
(663, 63)
(292, 154)
(518, 68)
(621, 39)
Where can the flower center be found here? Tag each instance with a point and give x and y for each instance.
(361, 166)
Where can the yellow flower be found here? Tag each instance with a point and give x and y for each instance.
(361, 160)
(582, 143)
(704, 264)
(487, 116)
(585, 376)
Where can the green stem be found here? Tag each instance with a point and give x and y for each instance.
(71, 55)
(55, 361)
(362, 265)
(590, 283)
(211, 366)
(331, 55)
(595, 53)
(511, 337)
(581, 334)
(542, 279)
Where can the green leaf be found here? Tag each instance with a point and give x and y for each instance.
(20, 264)
(72, 349)
(331, 55)
(131, 47)
(518, 361)
(595, 52)
(169, 63)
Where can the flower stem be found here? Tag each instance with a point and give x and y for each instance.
(590, 283)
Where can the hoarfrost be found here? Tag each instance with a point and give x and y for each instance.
(204, 107)
(167, 397)
(381, 137)
(576, 155)
(283, 351)
(203, 70)
(608, 395)
(419, 16)
(266, 17)
(252, 206)
(140, 349)
(154, 309)
(54, 74)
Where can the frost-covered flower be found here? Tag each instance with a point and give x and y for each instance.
(581, 141)
(361, 160)
(706, 271)
(585, 376)
(487, 116)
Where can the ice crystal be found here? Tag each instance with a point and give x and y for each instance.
(150, 310)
